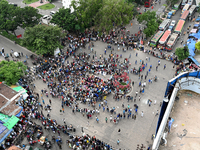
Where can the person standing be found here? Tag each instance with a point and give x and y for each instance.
(64, 120)
(156, 113)
(142, 114)
(106, 119)
(49, 101)
(136, 93)
(111, 118)
(139, 98)
(119, 131)
(118, 142)
(150, 103)
(134, 117)
(164, 66)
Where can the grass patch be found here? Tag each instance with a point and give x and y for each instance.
(124, 89)
(46, 6)
(123, 83)
(165, 5)
(30, 1)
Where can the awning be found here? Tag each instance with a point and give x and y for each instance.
(11, 122)
(19, 114)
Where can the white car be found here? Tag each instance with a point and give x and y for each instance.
(173, 23)
(47, 17)
(52, 13)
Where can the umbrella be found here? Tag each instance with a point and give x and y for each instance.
(16, 54)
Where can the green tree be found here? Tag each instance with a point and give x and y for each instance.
(28, 16)
(172, 2)
(8, 17)
(152, 27)
(65, 19)
(113, 12)
(86, 11)
(11, 17)
(151, 22)
(43, 39)
(182, 52)
(198, 9)
(11, 71)
(197, 46)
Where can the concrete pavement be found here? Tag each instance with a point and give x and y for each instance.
(133, 132)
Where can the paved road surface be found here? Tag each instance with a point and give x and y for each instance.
(132, 132)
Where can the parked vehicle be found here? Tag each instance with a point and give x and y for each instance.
(169, 15)
(173, 23)
(198, 19)
(47, 17)
(52, 13)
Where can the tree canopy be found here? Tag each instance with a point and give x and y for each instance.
(43, 39)
(30, 16)
(86, 11)
(7, 17)
(151, 22)
(103, 14)
(11, 71)
(65, 19)
(197, 45)
(11, 16)
(182, 52)
(113, 13)
(171, 2)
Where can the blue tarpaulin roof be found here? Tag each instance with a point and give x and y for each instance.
(18, 115)
(191, 46)
(195, 35)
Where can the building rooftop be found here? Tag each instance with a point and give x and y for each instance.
(14, 148)
(8, 98)
(185, 131)
(7, 91)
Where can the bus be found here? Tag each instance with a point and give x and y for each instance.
(155, 39)
(171, 42)
(185, 15)
(163, 40)
(192, 10)
(186, 7)
(175, 7)
(197, 3)
(190, 2)
(148, 3)
(164, 25)
(184, 2)
(179, 26)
